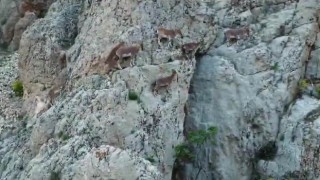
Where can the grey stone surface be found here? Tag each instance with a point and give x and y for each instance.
(93, 130)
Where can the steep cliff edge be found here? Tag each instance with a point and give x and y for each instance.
(111, 125)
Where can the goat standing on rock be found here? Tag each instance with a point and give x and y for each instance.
(168, 34)
(111, 59)
(190, 48)
(164, 82)
(128, 51)
(236, 34)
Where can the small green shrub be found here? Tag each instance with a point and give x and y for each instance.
(303, 84)
(199, 137)
(60, 134)
(183, 152)
(196, 138)
(133, 95)
(275, 67)
(63, 136)
(318, 90)
(17, 88)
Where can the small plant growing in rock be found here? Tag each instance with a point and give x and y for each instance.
(201, 136)
(318, 90)
(133, 95)
(275, 67)
(17, 88)
(183, 152)
(196, 138)
(303, 84)
(63, 136)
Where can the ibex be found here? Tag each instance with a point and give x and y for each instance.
(164, 82)
(190, 48)
(236, 34)
(101, 154)
(111, 59)
(168, 34)
(128, 51)
(37, 8)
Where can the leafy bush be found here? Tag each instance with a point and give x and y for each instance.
(17, 88)
(183, 152)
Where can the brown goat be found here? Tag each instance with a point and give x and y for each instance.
(164, 82)
(236, 34)
(190, 47)
(28, 6)
(102, 65)
(128, 51)
(168, 34)
(111, 59)
(101, 154)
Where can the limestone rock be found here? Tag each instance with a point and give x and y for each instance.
(112, 126)
(20, 27)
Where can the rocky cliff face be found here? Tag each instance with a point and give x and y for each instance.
(16, 16)
(79, 118)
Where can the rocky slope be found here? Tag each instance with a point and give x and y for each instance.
(261, 92)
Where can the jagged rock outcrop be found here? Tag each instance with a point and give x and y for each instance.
(112, 126)
(246, 90)
(98, 108)
(15, 17)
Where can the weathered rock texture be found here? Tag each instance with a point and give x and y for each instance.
(249, 92)
(16, 16)
(93, 129)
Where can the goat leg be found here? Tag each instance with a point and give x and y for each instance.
(119, 66)
(155, 89)
(170, 43)
(159, 41)
(182, 62)
(237, 42)
(131, 63)
(228, 44)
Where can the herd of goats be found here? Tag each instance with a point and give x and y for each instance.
(121, 51)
